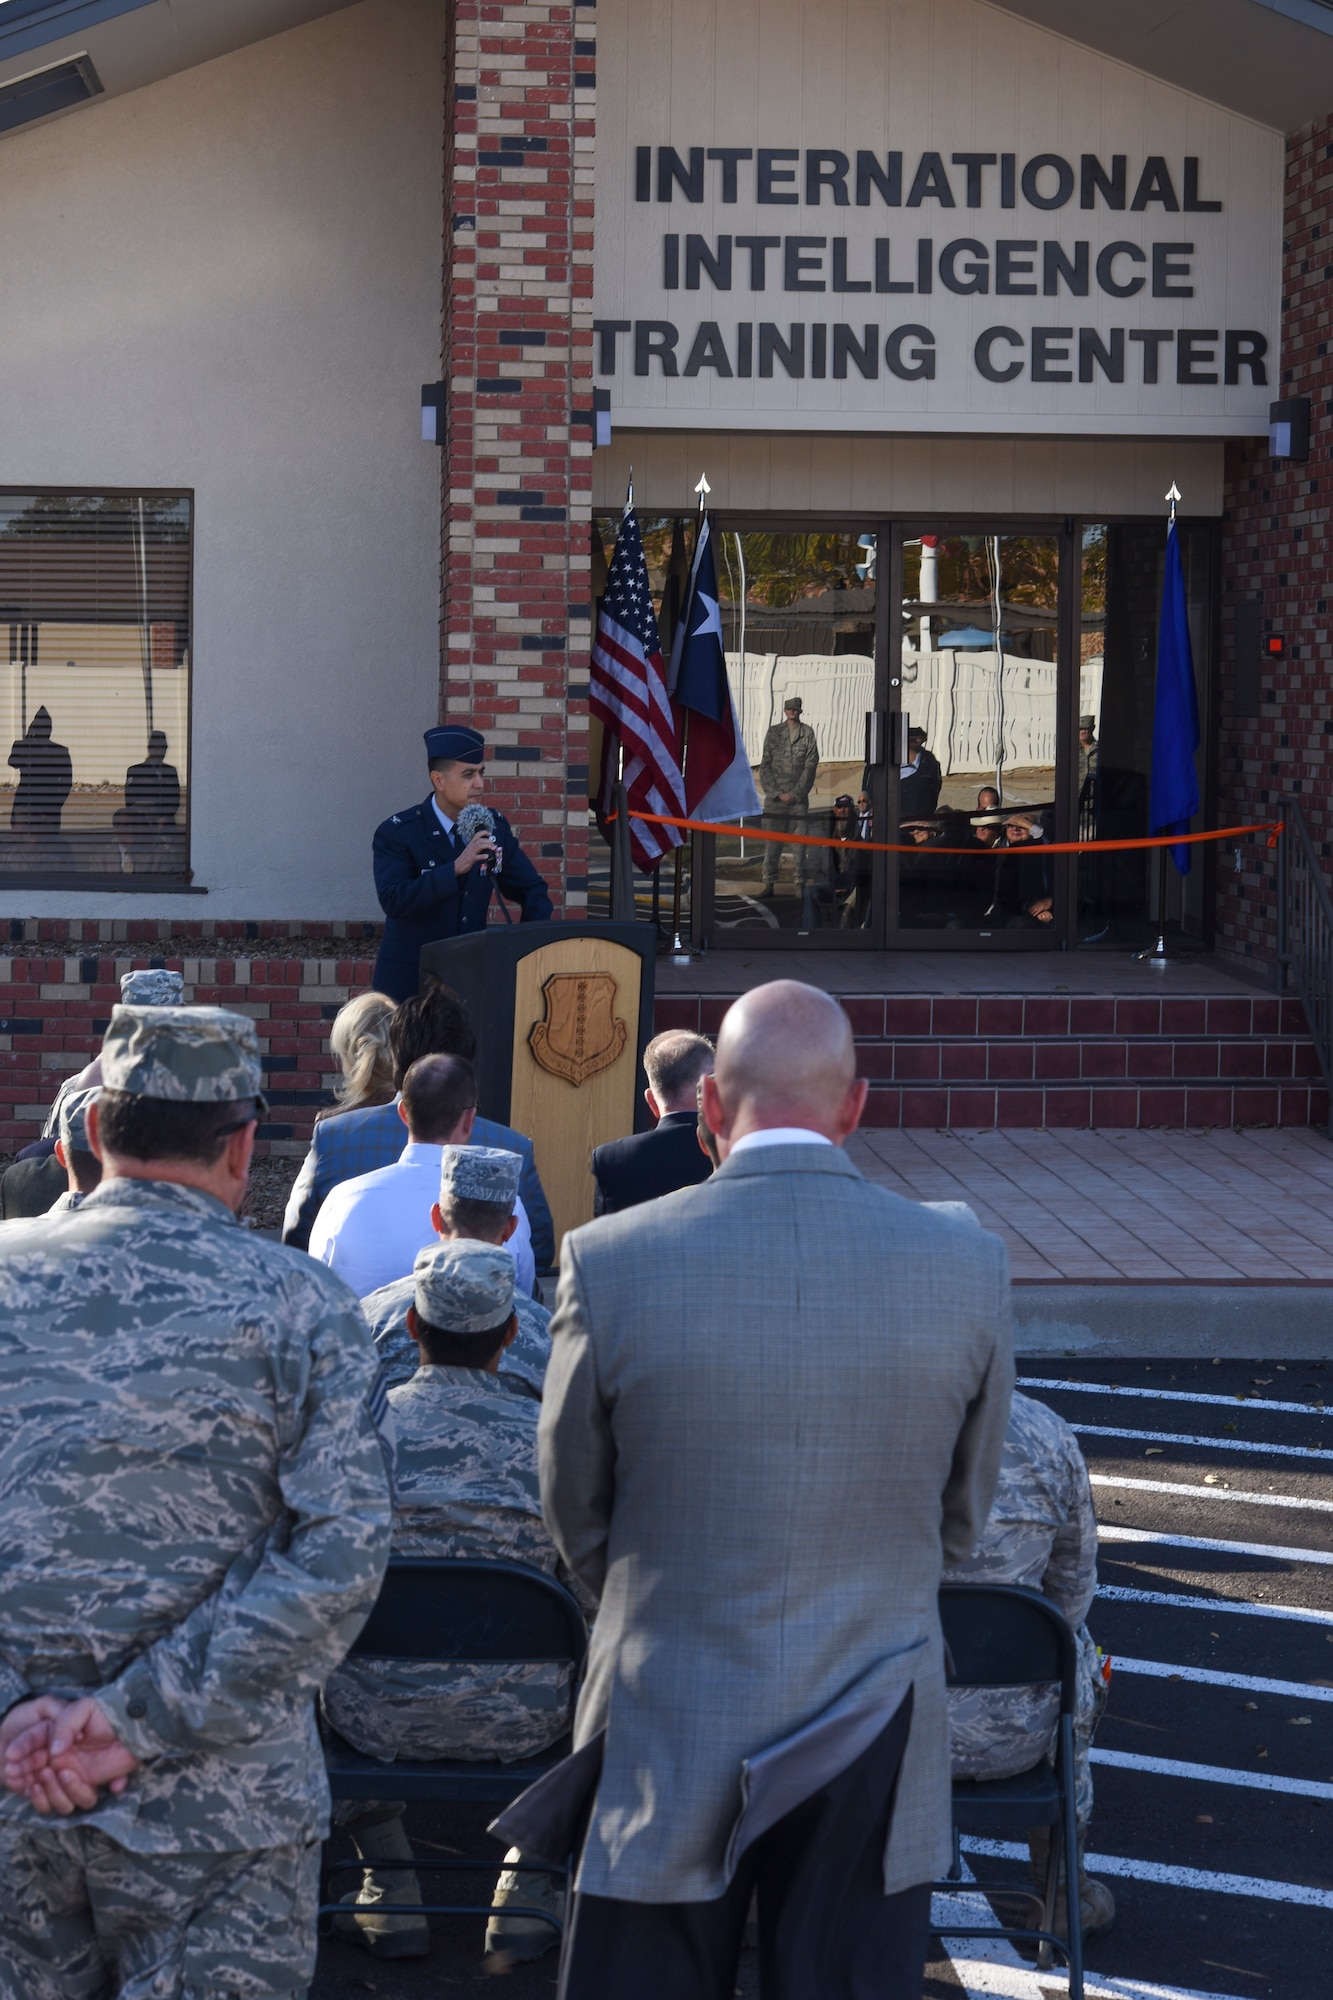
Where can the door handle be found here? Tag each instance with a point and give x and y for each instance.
(874, 737)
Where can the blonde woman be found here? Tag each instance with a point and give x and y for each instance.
(359, 1038)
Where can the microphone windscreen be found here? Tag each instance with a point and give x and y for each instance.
(475, 819)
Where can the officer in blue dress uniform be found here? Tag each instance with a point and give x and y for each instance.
(430, 883)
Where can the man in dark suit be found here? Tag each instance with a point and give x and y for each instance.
(628, 1171)
(432, 884)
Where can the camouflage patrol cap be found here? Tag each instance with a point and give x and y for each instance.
(480, 1173)
(461, 1286)
(152, 987)
(191, 1055)
(73, 1133)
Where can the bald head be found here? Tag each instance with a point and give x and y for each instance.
(785, 1057)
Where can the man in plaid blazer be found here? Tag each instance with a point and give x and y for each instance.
(757, 1449)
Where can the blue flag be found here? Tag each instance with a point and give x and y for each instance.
(1175, 728)
(699, 665)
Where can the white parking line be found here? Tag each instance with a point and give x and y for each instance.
(1163, 1670)
(1211, 1492)
(1212, 1774)
(1240, 1607)
(1257, 1886)
(998, 1979)
(1175, 1396)
(1108, 1531)
(1310, 1453)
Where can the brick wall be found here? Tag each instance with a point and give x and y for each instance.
(518, 456)
(1276, 545)
(53, 1012)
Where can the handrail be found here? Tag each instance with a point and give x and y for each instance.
(1305, 933)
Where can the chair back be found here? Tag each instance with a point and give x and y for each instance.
(1004, 1635)
(447, 1608)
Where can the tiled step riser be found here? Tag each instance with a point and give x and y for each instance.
(1079, 1063)
(1080, 1108)
(1141, 1060)
(953, 1017)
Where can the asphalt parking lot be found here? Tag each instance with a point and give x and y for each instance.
(1214, 1762)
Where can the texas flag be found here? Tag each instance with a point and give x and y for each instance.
(719, 783)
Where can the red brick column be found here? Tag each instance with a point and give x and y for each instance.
(1276, 545)
(518, 458)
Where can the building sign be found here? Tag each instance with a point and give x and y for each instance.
(923, 215)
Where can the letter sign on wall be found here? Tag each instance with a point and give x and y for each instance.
(924, 216)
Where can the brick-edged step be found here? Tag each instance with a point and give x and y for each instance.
(1073, 1060)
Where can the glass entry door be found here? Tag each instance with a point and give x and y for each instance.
(799, 615)
(975, 780)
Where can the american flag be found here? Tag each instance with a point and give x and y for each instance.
(627, 692)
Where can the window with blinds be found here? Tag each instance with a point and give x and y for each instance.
(95, 591)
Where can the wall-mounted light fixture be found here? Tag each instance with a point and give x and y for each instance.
(1289, 429)
(434, 403)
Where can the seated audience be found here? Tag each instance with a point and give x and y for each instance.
(432, 1022)
(648, 1164)
(478, 1195)
(78, 1161)
(464, 1464)
(371, 1228)
(1042, 1532)
(359, 1039)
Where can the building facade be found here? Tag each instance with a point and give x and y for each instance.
(941, 297)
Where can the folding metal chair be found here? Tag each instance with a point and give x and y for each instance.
(1002, 1636)
(438, 1608)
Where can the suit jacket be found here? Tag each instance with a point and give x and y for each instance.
(423, 900)
(628, 1171)
(357, 1142)
(774, 1404)
(30, 1186)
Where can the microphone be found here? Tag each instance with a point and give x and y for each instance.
(475, 819)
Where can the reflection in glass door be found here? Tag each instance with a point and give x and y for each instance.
(977, 737)
(798, 621)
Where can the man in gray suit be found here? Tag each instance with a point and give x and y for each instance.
(758, 1454)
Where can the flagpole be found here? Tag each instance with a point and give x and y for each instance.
(680, 952)
(1158, 954)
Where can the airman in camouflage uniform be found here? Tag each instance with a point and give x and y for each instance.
(787, 771)
(194, 1521)
(1041, 1532)
(465, 1483)
(478, 1192)
(74, 1148)
(150, 986)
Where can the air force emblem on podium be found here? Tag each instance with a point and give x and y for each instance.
(580, 1034)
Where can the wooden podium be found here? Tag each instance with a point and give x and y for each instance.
(562, 1014)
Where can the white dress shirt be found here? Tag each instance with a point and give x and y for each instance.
(779, 1135)
(370, 1229)
(443, 818)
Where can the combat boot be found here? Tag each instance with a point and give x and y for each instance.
(523, 1938)
(1096, 1903)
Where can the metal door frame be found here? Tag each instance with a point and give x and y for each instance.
(704, 845)
(1067, 534)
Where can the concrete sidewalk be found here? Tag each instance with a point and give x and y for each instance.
(1205, 1208)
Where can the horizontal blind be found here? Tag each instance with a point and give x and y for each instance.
(95, 596)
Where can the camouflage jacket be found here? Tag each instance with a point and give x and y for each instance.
(1042, 1532)
(465, 1484)
(194, 1506)
(522, 1366)
(72, 1198)
(788, 765)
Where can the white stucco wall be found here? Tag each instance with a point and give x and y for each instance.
(230, 281)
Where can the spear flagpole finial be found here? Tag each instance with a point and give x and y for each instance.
(629, 489)
(703, 489)
(1173, 496)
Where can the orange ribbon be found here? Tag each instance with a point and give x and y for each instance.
(1274, 828)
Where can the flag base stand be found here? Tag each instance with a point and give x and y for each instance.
(1159, 955)
(678, 952)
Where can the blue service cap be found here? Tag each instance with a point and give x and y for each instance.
(455, 740)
